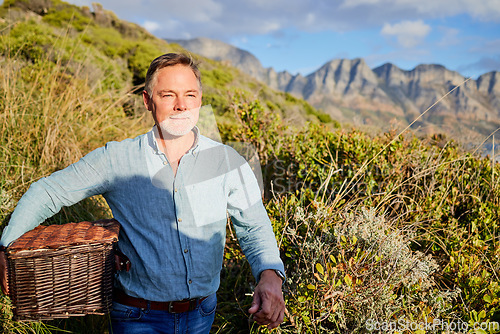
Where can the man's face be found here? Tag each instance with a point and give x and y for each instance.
(175, 100)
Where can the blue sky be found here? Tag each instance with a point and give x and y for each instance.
(301, 35)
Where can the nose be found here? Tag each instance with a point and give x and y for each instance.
(180, 104)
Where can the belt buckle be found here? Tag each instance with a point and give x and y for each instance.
(171, 307)
(193, 303)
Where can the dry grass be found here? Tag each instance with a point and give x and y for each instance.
(50, 117)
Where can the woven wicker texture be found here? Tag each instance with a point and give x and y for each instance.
(55, 236)
(65, 270)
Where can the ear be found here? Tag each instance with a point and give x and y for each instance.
(146, 99)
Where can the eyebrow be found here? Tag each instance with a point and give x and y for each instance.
(173, 91)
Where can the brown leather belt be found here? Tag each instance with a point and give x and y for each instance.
(172, 307)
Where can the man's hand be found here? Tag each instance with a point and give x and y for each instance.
(268, 306)
(3, 273)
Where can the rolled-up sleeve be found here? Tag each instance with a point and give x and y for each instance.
(66, 187)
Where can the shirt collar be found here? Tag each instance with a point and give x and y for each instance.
(153, 140)
(196, 143)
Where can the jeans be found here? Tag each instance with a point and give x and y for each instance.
(128, 319)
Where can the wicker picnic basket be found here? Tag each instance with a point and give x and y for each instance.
(59, 271)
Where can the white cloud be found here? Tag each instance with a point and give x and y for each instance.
(487, 46)
(404, 59)
(484, 9)
(483, 65)
(270, 27)
(226, 19)
(450, 37)
(239, 41)
(408, 33)
(407, 22)
(151, 26)
(81, 2)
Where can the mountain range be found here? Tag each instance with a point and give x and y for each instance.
(352, 92)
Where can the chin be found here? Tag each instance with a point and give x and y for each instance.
(176, 131)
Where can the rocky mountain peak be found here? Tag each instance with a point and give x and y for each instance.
(390, 73)
(489, 83)
(348, 89)
(340, 77)
(435, 73)
(218, 50)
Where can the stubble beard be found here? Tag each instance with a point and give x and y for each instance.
(178, 128)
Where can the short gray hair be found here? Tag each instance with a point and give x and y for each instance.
(169, 59)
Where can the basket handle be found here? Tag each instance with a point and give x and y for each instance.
(104, 222)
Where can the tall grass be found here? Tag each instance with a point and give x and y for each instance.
(51, 115)
(53, 121)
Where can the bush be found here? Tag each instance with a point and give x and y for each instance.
(139, 58)
(445, 195)
(346, 271)
(64, 15)
(216, 77)
(27, 40)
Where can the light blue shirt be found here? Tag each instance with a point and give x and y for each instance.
(173, 227)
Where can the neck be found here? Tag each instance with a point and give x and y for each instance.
(175, 146)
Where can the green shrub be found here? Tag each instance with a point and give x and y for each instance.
(216, 77)
(62, 16)
(220, 103)
(348, 271)
(445, 194)
(28, 40)
(139, 57)
(108, 40)
(325, 118)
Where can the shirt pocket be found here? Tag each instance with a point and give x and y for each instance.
(207, 201)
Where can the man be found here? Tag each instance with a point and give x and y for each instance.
(171, 189)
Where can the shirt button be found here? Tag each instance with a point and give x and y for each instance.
(176, 189)
(190, 281)
(180, 220)
(185, 251)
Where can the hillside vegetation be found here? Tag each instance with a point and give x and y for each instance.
(374, 230)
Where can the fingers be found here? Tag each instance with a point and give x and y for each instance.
(270, 320)
(255, 304)
(268, 306)
(279, 320)
(271, 312)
